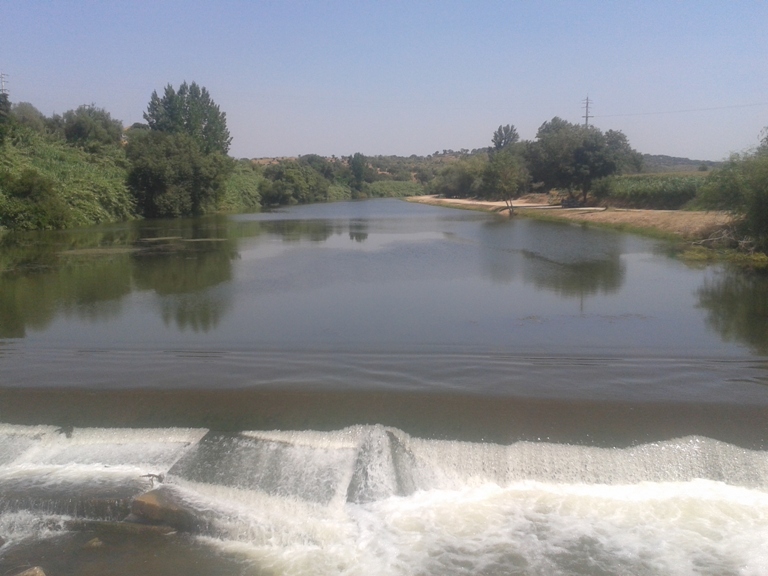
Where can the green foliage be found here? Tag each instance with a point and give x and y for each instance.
(726, 188)
(460, 179)
(652, 191)
(503, 137)
(627, 159)
(393, 189)
(90, 185)
(190, 111)
(27, 115)
(339, 192)
(91, 128)
(179, 162)
(292, 182)
(505, 176)
(30, 202)
(172, 177)
(741, 187)
(360, 171)
(241, 192)
(571, 157)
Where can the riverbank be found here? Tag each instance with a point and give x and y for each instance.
(680, 224)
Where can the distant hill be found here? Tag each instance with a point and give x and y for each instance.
(662, 163)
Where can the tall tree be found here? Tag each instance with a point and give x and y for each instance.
(503, 137)
(571, 157)
(504, 177)
(170, 176)
(192, 111)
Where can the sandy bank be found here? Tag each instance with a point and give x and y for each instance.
(685, 224)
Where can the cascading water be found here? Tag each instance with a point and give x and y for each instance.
(374, 500)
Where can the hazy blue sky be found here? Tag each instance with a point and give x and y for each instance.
(410, 77)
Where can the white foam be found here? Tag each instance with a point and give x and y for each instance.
(17, 526)
(402, 505)
(680, 528)
(338, 439)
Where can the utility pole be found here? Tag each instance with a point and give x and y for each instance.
(586, 115)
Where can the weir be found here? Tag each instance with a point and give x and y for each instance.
(45, 468)
(379, 499)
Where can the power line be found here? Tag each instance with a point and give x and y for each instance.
(683, 111)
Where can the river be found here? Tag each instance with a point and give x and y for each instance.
(382, 387)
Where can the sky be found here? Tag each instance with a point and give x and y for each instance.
(682, 78)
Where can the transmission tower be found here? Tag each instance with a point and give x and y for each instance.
(586, 115)
(3, 78)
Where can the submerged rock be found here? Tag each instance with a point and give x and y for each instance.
(35, 571)
(94, 543)
(165, 506)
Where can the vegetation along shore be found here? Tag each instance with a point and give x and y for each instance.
(84, 167)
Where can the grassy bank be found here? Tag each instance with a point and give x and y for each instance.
(47, 183)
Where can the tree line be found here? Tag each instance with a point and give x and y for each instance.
(82, 167)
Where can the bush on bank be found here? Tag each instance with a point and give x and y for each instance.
(648, 191)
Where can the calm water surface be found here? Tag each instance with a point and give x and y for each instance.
(445, 391)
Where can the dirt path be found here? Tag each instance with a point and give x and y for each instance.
(688, 225)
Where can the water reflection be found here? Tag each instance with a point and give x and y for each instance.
(575, 279)
(358, 230)
(89, 289)
(298, 230)
(570, 261)
(384, 271)
(737, 307)
(87, 273)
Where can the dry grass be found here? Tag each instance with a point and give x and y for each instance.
(685, 224)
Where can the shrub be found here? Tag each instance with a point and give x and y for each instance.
(393, 189)
(741, 187)
(651, 191)
(31, 202)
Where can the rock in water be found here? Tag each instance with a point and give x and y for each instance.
(36, 571)
(164, 506)
(94, 543)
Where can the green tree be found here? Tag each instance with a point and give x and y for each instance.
(171, 176)
(503, 137)
(360, 170)
(626, 158)
(293, 182)
(91, 127)
(191, 111)
(741, 187)
(460, 179)
(504, 177)
(26, 114)
(30, 201)
(571, 157)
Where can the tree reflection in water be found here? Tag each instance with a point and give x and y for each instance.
(737, 307)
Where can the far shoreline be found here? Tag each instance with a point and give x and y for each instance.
(671, 224)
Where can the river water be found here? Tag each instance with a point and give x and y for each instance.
(381, 387)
